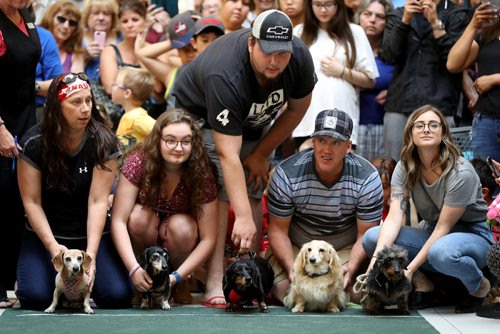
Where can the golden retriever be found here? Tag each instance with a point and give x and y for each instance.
(72, 279)
(317, 280)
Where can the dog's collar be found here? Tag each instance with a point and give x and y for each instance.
(314, 275)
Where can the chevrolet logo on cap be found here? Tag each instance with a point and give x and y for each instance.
(277, 30)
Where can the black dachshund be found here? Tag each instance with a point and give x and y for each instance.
(154, 260)
(246, 280)
(386, 284)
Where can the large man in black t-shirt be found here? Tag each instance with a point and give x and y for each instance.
(238, 85)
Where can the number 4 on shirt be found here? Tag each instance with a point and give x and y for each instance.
(222, 117)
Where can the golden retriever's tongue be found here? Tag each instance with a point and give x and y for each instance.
(234, 297)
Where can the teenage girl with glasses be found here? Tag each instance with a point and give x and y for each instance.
(166, 196)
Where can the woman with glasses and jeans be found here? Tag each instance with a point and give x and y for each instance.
(343, 62)
(453, 238)
(66, 171)
(166, 196)
(62, 19)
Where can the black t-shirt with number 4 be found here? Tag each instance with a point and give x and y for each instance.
(220, 86)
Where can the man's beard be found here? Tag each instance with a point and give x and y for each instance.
(270, 82)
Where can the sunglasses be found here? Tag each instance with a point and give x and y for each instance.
(71, 77)
(63, 20)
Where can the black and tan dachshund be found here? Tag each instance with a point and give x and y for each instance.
(386, 284)
(246, 280)
(154, 260)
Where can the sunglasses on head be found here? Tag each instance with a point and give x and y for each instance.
(63, 20)
(71, 77)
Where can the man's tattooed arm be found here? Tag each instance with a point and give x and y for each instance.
(399, 194)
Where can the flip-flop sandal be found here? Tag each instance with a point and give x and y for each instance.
(208, 302)
(5, 302)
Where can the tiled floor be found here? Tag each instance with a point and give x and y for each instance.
(445, 320)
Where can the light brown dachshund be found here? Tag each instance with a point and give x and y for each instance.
(72, 280)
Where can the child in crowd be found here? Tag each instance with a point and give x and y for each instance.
(488, 186)
(132, 88)
(189, 36)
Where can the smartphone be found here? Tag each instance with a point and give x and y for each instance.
(489, 162)
(100, 38)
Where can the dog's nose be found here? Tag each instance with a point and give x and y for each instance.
(312, 260)
(75, 269)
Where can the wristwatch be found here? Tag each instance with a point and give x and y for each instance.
(438, 26)
(37, 87)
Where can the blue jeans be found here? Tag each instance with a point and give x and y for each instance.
(36, 274)
(461, 253)
(485, 137)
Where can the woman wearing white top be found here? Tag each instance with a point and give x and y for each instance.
(328, 33)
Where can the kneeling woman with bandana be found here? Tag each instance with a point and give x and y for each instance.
(66, 171)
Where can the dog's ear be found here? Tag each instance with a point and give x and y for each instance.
(167, 255)
(335, 262)
(256, 279)
(225, 280)
(300, 260)
(143, 259)
(87, 260)
(58, 261)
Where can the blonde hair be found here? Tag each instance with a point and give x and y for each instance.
(109, 5)
(448, 151)
(139, 81)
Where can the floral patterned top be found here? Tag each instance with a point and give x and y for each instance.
(132, 169)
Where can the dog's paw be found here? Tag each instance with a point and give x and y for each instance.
(264, 310)
(298, 309)
(88, 310)
(50, 309)
(145, 305)
(165, 306)
(334, 309)
(229, 307)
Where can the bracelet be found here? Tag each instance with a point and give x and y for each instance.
(341, 74)
(177, 276)
(132, 272)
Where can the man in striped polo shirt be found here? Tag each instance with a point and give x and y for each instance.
(326, 193)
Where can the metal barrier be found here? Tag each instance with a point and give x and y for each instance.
(462, 138)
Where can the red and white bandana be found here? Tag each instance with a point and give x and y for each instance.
(66, 90)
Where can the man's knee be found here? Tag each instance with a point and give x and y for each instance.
(279, 290)
(369, 240)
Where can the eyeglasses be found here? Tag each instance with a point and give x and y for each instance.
(63, 20)
(326, 5)
(432, 126)
(71, 77)
(115, 85)
(172, 143)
